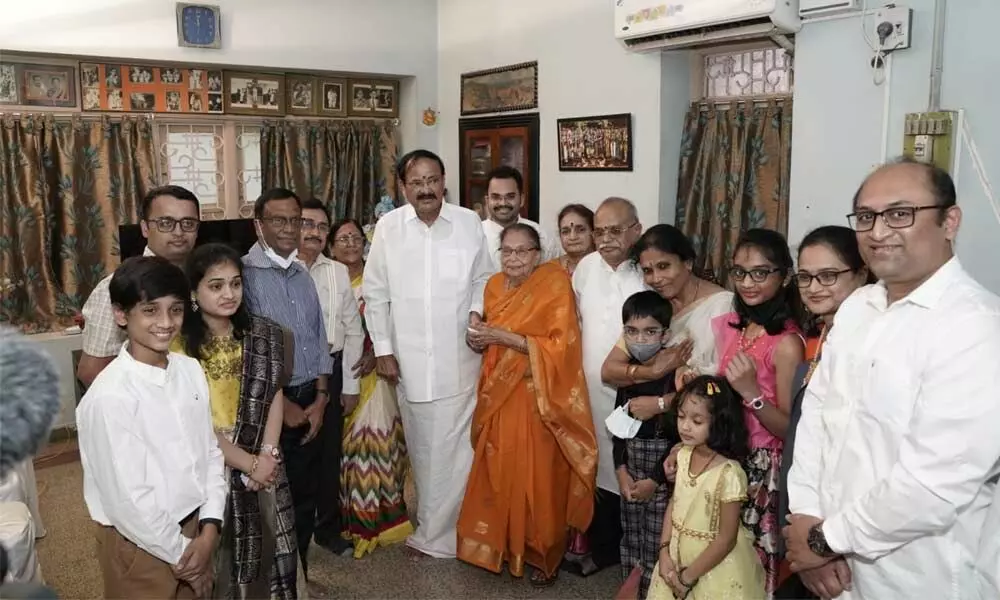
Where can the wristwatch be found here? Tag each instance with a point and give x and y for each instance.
(816, 541)
(755, 404)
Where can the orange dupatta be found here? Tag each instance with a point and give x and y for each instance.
(535, 463)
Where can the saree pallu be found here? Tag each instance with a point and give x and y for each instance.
(260, 552)
(534, 470)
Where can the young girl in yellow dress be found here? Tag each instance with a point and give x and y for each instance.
(705, 551)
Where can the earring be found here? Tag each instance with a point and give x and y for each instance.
(194, 303)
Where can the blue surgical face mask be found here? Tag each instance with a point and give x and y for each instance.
(643, 351)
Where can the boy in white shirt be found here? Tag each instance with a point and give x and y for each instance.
(152, 468)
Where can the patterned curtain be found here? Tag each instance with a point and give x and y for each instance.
(65, 187)
(734, 176)
(348, 165)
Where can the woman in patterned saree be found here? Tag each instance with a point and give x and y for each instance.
(374, 464)
(534, 470)
(243, 359)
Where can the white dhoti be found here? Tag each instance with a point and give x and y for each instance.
(438, 440)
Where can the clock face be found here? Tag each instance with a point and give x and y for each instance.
(198, 25)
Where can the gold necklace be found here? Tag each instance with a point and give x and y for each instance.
(745, 344)
(693, 478)
(815, 361)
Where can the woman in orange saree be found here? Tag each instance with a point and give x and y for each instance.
(534, 469)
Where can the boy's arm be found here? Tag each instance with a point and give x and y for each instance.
(215, 474)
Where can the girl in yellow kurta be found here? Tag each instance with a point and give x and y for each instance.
(705, 551)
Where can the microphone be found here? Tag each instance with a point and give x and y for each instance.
(29, 398)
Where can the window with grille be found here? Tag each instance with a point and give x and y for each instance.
(743, 72)
(218, 160)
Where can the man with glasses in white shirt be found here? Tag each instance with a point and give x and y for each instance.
(897, 451)
(169, 217)
(346, 340)
(603, 281)
(423, 286)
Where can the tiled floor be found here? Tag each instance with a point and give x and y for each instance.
(69, 565)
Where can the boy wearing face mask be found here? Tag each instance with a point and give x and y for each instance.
(640, 446)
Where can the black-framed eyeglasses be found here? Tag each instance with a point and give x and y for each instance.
(309, 225)
(520, 253)
(613, 231)
(168, 224)
(758, 275)
(648, 333)
(349, 240)
(825, 278)
(899, 217)
(279, 223)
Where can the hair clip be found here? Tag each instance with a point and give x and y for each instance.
(712, 388)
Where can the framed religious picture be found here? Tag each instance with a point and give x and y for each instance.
(46, 85)
(302, 91)
(385, 98)
(513, 87)
(602, 143)
(332, 96)
(254, 94)
(361, 94)
(10, 92)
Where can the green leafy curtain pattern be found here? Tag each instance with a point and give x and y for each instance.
(65, 187)
(348, 165)
(734, 174)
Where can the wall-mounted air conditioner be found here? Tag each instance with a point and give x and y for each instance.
(825, 8)
(651, 25)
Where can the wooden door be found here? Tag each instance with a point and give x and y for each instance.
(489, 142)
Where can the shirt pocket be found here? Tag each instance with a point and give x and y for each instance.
(452, 268)
(889, 395)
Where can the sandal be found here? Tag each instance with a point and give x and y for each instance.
(539, 580)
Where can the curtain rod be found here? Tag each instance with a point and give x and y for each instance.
(707, 104)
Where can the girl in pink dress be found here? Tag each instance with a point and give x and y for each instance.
(760, 347)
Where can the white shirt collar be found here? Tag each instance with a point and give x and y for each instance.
(927, 294)
(155, 375)
(410, 213)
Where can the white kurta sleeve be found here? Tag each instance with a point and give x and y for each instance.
(377, 297)
(354, 335)
(950, 451)
(117, 461)
(215, 472)
(482, 270)
(551, 247)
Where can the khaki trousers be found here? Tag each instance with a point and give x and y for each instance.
(130, 572)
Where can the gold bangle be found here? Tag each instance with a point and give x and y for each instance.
(253, 467)
(664, 545)
(630, 372)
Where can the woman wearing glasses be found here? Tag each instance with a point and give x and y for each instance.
(374, 466)
(830, 270)
(760, 347)
(535, 463)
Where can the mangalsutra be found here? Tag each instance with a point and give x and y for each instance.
(815, 361)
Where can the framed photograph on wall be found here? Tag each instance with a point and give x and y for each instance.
(601, 143)
(301, 94)
(332, 97)
(514, 87)
(46, 85)
(385, 98)
(10, 89)
(254, 94)
(362, 101)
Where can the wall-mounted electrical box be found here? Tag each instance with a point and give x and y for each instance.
(825, 8)
(930, 137)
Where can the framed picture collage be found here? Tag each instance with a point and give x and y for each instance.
(185, 89)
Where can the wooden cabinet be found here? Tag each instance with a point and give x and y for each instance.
(489, 142)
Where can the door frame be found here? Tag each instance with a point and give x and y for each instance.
(528, 120)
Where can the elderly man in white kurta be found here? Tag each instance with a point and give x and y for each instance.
(504, 195)
(603, 281)
(899, 441)
(424, 281)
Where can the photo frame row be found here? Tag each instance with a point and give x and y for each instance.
(139, 88)
(339, 97)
